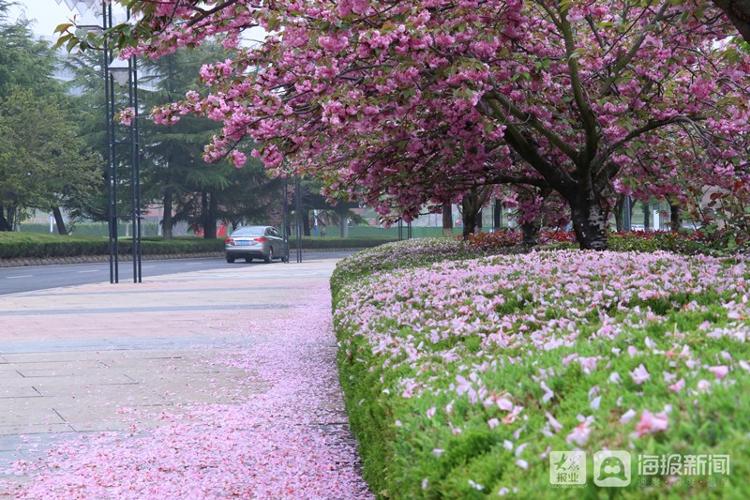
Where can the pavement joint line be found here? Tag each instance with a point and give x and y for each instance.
(61, 417)
(45, 433)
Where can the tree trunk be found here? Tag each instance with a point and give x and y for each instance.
(204, 212)
(167, 220)
(208, 215)
(530, 231)
(468, 216)
(647, 216)
(343, 225)
(59, 221)
(589, 222)
(738, 12)
(12, 217)
(213, 205)
(497, 219)
(619, 215)
(4, 224)
(306, 222)
(470, 224)
(471, 212)
(675, 217)
(447, 219)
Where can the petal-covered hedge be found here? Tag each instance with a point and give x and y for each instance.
(401, 254)
(461, 377)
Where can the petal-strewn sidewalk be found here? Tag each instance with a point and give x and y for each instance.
(278, 433)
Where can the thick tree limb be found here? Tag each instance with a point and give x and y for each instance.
(555, 176)
(579, 95)
(534, 123)
(738, 11)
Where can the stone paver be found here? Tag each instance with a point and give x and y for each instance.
(107, 357)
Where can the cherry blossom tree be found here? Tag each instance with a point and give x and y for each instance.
(403, 104)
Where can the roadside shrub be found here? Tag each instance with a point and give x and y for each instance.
(34, 245)
(462, 376)
(333, 243)
(504, 239)
(684, 242)
(27, 245)
(689, 243)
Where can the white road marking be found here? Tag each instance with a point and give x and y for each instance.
(92, 271)
(19, 276)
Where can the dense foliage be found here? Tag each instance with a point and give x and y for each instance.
(407, 104)
(43, 162)
(460, 377)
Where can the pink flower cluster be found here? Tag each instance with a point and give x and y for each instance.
(408, 104)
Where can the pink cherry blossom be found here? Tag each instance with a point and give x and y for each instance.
(720, 371)
(677, 386)
(651, 423)
(581, 433)
(640, 374)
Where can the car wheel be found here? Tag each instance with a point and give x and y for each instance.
(285, 259)
(269, 257)
(230, 260)
(248, 259)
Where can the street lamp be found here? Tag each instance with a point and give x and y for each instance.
(124, 73)
(120, 71)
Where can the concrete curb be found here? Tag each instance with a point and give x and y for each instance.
(85, 259)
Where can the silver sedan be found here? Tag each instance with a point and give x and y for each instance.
(256, 242)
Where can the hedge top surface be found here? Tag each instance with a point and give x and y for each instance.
(400, 254)
(484, 366)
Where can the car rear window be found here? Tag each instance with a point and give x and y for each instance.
(250, 231)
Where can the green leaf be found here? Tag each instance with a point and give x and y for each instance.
(61, 28)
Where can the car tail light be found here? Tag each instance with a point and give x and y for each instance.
(262, 239)
(229, 241)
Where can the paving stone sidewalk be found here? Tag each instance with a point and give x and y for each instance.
(194, 385)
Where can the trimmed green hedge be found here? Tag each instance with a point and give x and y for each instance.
(26, 245)
(34, 245)
(331, 243)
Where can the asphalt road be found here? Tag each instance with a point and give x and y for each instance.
(29, 278)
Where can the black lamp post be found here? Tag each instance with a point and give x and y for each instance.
(298, 214)
(122, 73)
